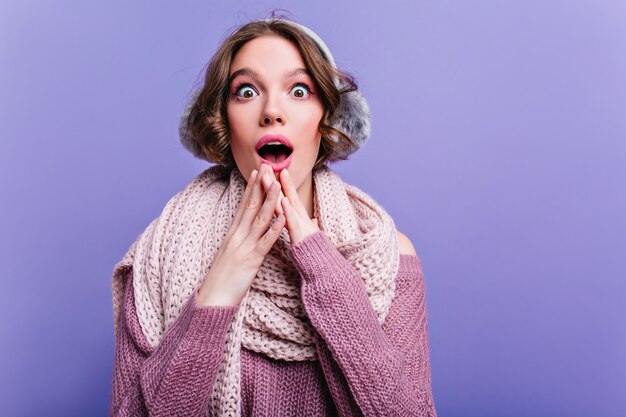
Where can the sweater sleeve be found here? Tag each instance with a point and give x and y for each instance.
(176, 377)
(371, 370)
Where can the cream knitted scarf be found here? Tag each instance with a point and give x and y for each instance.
(171, 257)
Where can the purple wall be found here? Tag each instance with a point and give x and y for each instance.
(499, 146)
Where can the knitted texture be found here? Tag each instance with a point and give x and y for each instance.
(363, 368)
(173, 255)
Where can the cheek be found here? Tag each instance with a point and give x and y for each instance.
(310, 120)
(314, 126)
(233, 116)
(238, 126)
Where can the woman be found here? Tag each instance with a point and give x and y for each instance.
(268, 286)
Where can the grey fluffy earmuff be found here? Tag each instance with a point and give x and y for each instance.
(352, 116)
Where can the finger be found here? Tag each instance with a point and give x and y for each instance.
(291, 217)
(246, 195)
(292, 194)
(279, 207)
(263, 218)
(254, 202)
(269, 238)
(267, 181)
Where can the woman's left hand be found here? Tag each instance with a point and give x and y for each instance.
(299, 225)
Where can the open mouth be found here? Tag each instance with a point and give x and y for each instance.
(274, 152)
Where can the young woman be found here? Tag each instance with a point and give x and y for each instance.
(268, 286)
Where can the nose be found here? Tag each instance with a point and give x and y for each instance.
(272, 113)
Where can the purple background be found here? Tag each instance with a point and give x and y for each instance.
(498, 145)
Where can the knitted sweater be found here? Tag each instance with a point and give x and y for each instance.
(363, 369)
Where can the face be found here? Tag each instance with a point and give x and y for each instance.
(271, 98)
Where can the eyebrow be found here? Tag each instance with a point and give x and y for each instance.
(251, 73)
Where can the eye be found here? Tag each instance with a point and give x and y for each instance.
(301, 90)
(245, 91)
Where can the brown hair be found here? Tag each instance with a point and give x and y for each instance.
(207, 124)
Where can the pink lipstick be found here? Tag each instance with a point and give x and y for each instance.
(275, 150)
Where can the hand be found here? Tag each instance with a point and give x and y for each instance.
(248, 240)
(299, 225)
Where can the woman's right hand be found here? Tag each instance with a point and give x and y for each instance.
(248, 240)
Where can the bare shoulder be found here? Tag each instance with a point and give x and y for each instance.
(406, 247)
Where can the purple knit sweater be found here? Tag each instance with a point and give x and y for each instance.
(363, 369)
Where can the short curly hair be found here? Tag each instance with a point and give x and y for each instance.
(206, 124)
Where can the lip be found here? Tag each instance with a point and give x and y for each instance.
(276, 166)
(273, 138)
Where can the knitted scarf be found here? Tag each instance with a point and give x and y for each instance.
(172, 256)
